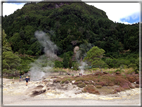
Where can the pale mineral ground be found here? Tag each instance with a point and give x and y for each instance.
(17, 93)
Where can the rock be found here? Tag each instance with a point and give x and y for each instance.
(70, 86)
(105, 73)
(58, 86)
(68, 73)
(39, 87)
(33, 91)
(73, 81)
(45, 80)
(137, 82)
(86, 82)
(137, 85)
(78, 92)
(133, 85)
(66, 82)
(118, 73)
(37, 92)
(54, 77)
(51, 80)
(56, 81)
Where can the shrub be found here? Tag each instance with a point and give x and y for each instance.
(98, 86)
(123, 83)
(119, 71)
(26, 70)
(102, 83)
(75, 66)
(81, 85)
(131, 78)
(130, 71)
(90, 89)
(58, 64)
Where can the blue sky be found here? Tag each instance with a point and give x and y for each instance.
(127, 13)
(134, 18)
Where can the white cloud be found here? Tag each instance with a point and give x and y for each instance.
(116, 11)
(9, 8)
(135, 16)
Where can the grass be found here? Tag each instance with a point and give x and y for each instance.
(58, 70)
(112, 70)
(13, 78)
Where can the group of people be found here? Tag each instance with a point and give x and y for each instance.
(27, 79)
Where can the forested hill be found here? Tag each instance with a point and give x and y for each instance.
(68, 25)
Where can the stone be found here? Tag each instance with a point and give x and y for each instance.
(133, 85)
(105, 73)
(33, 91)
(137, 82)
(73, 81)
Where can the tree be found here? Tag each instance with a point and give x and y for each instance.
(94, 57)
(65, 61)
(10, 60)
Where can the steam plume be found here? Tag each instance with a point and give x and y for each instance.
(44, 63)
(81, 53)
(82, 67)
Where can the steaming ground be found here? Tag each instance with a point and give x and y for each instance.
(16, 93)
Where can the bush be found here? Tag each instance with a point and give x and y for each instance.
(81, 85)
(26, 70)
(65, 61)
(75, 66)
(119, 70)
(58, 64)
(90, 89)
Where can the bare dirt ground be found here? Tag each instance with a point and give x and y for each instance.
(18, 100)
(15, 94)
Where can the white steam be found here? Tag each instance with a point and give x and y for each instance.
(80, 53)
(49, 46)
(82, 67)
(79, 60)
(44, 63)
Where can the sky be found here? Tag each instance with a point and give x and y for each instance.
(127, 13)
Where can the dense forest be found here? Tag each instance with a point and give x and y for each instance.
(68, 24)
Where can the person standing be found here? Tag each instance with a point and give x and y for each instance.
(27, 79)
(20, 78)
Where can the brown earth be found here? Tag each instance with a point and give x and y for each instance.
(102, 83)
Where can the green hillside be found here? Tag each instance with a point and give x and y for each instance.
(69, 24)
